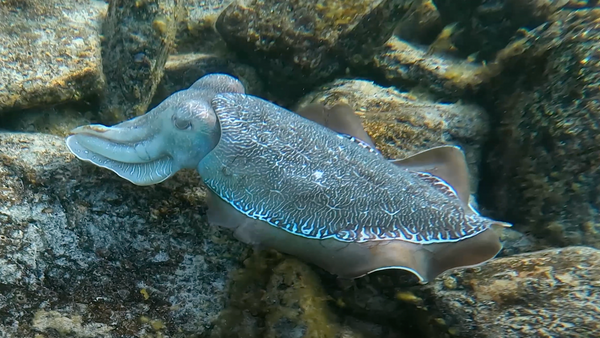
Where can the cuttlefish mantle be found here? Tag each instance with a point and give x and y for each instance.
(310, 184)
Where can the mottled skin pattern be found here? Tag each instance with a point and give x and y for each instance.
(282, 181)
(292, 173)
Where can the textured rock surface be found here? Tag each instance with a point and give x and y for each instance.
(180, 72)
(84, 253)
(138, 37)
(283, 294)
(296, 44)
(385, 298)
(402, 124)
(56, 120)
(486, 27)
(196, 25)
(454, 48)
(544, 170)
(277, 296)
(49, 52)
(515, 242)
(551, 293)
(421, 24)
(406, 65)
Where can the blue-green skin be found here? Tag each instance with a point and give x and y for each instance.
(275, 166)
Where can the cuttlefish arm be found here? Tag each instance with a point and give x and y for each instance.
(150, 148)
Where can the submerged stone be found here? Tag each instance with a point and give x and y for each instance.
(196, 26)
(89, 255)
(138, 37)
(550, 293)
(49, 52)
(296, 44)
(543, 171)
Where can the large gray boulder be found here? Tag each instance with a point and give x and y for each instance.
(87, 254)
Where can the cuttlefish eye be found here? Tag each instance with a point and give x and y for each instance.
(192, 112)
(181, 123)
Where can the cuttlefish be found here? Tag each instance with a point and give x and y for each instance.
(308, 183)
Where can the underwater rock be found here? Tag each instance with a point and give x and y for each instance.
(276, 295)
(406, 65)
(384, 298)
(543, 169)
(138, 36)
(402, 124)
(485, 27)
(420, 24)
(55, 120)
(49, 52)
(84, 253)
(515, 242)
(296, 303)
(182, 70)
(455, 48)
(549, 293)
(296, 44)
(196, 21)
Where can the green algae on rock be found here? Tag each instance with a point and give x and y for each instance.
(282, 295)
(50, 52)
(296, 43)
(543, 170)
(297, 303)
(138, 37)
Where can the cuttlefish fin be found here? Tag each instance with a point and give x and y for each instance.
(445, 162)
(353, 260)
(221, 213)
(340, 118)
(427, 261)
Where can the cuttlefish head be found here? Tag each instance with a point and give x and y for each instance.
(150, 148)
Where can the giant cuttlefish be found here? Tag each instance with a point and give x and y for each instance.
(310, 184)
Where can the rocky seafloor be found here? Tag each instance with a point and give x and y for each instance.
(515, 83)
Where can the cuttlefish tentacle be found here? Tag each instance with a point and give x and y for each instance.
(280, 180)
